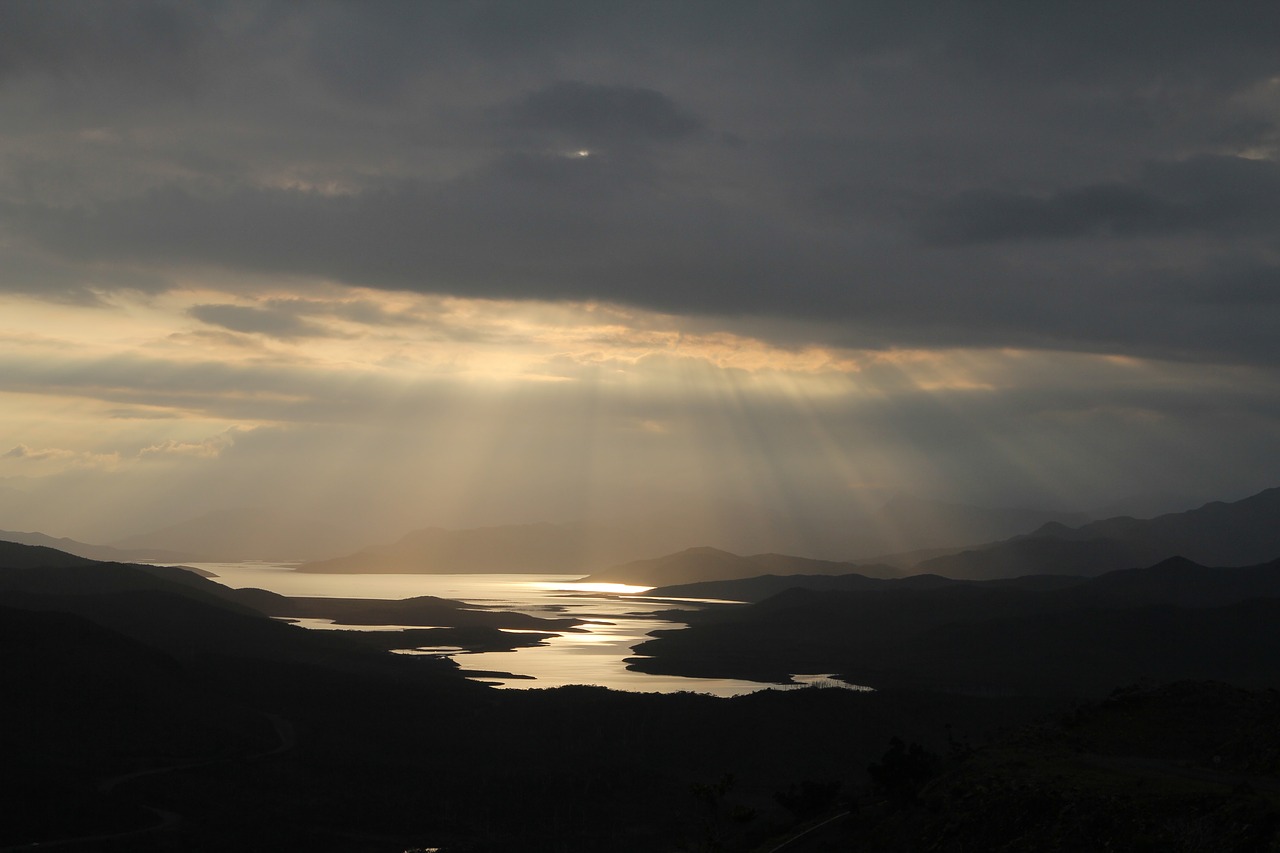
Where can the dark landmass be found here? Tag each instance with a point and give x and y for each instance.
(476, 638)
(44, 579)
(1173, 581)
(149, 708)
(1186, 766)
(143, 711)
(180, 618)
(422, 610)
(1219, 534)
(1034, 635)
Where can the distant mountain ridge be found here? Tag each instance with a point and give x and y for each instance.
(712, 564)
(1176, 581)
(902, 524)
(247, 533)
(521, 548)
(1222, 534)
(103, 553)
(1245, 532)
(908, 523)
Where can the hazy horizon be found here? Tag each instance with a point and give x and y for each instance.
(391, 266)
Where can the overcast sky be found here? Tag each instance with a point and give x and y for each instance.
(464, 263)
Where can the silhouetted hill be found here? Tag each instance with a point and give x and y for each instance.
(19, 556)
(1220, 534)
(696, 565)
(247, 534)
(31, 569)
(175, 611)
(1025, 556)
(1181, 582)
(94, 552)
(1172, 620)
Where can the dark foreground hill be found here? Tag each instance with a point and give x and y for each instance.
(1186, 766)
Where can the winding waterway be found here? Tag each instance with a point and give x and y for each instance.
(591, 656)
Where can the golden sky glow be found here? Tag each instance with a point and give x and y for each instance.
(591, 400)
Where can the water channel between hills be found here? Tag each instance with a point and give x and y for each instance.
(593, 656)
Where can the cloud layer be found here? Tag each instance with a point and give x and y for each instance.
(1074, 172)
(779, 242)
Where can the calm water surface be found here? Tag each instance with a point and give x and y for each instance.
(593, 656)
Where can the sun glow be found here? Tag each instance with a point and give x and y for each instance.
(458, 411)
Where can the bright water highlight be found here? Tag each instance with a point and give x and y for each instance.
(592, 656)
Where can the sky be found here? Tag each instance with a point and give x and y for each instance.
(405, 264)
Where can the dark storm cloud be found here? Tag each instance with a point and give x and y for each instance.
(590, 116)
(531, 227)
(144, 43)
(1072, 176)
(1212, 194)
(1231, 288)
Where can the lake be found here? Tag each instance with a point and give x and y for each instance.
(593, 656)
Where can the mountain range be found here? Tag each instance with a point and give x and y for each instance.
(712, 564)
(247, 533)
(1221, 534)
(903, 531)
(902, 523)
(96, 552)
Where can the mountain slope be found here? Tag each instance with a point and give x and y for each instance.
(908, 523)
(93, 552)
(1221, 534)
(16, 555)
